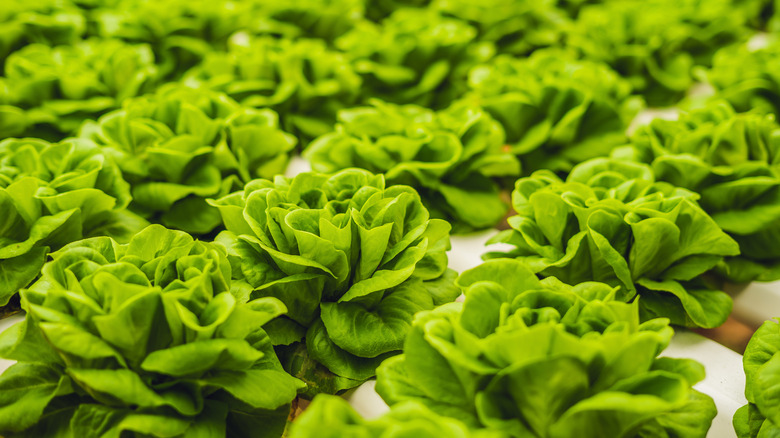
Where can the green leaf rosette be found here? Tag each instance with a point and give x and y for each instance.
(352, 261)
(181, 146)
(180, 32)
(414, 56)
(49, 22)
(452, 156)
(302, 80)
(611, 222)
(556, 111)
(541, 358)
(761, 416)
(142, 339)
(654, 44)
(733, 162)
(748, 78)
(330, 416)
(47, 92)
(514, 27)
(52, 194)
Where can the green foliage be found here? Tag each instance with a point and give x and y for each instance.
(611, 222)
(761, 416)
(142, 339)
(353, 261)
(541, 358)
(180, 146)
(452, 156)
(52, 194)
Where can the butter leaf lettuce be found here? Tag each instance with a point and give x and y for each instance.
(452, 156)
(514, 27)
(733, 162)
(52, 194)
(49, 22)
(556, 111)
(143, 339)
(330, 416)
(748, 78)
(414, 56)
(48, 91)
(654, 44)
(541, 358)
(351, 259)
(761, 416)
(611, 222)
(180, 146)
(303, 80)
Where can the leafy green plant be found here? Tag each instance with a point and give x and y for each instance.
(761, 416)
(654, 44)
(611, 222)
(303, 80)
(542, 358)
(142, 339)
(733, 162)
(514, 27)
(556, 111)
(351, 259)
(749, 79)
(330, 416)
(47, 92)
(52, 194)
(451, 156)
(414, 56)
(320, 19)
(180, 146)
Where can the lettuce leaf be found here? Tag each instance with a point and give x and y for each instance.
(452, 156)
(760, 417)
(353, 261)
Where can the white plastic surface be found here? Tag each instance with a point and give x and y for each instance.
(755, 302)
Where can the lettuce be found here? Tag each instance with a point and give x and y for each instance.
(52, 194)
(47, 92)
(654, 44)
(749, 79)
(514, 27)
(733, 162)
(180, 146)
(556, 111)
(611, 222)
(541, 358)
(143, 339)
(330, 416)
(761, 416)
(321, 19)
(49, 22)
(414, 56)
(303, 80)
(351, 260)
(451, 156)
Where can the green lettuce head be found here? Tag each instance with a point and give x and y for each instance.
(49, 22)
(611, 222)
(654, 44)
(143, 339)
(47, 92)
(181, 145)
(733, 162)
(748, 78)
(541, 358)
(761, 416)
(180, 32)
(329, 416)
(52, 194)
(514, 27)
(414, 56)
(556, 111)
(303, 80)
(451, 156)
(351, 259)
